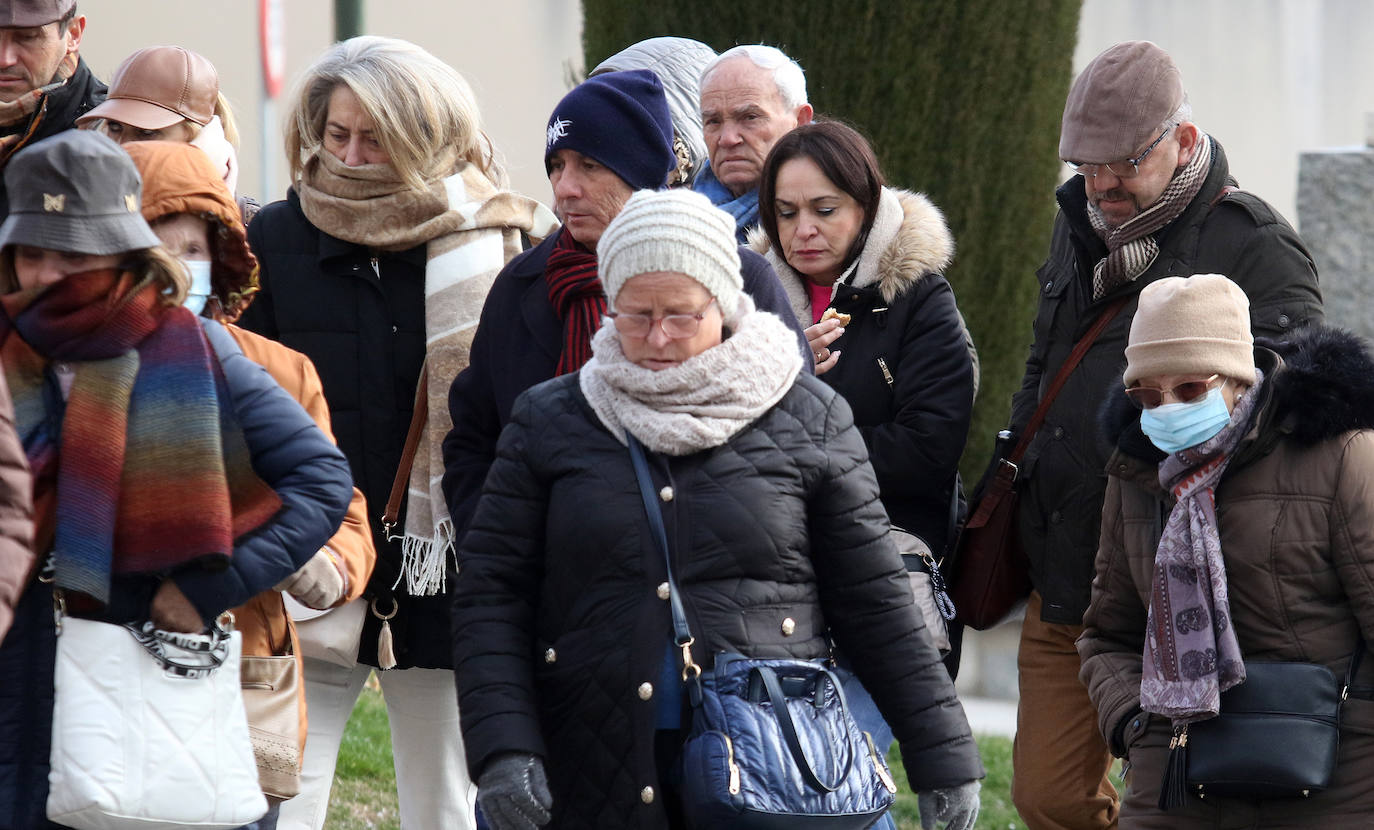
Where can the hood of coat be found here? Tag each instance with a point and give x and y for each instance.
(908, 241)
(1320, 385)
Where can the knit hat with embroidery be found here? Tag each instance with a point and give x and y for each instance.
(621, 120)
(1196, 325)
(672, 230)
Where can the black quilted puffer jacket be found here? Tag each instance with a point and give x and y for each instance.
(560, 628)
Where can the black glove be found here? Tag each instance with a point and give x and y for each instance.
(514, 793)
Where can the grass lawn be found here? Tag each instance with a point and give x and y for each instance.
(364, 796)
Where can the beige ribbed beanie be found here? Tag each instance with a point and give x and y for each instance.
(672, 230)
(1191, 325)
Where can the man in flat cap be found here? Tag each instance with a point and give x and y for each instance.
(44, 83)
(1153, 197)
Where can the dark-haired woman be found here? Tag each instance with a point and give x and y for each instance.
(839, 239)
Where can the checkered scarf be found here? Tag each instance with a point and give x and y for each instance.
(1131, 248)
(17, 119)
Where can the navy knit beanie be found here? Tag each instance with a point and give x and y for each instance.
(621, 120)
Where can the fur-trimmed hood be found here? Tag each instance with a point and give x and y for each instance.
(908, 241)
(1320, 384)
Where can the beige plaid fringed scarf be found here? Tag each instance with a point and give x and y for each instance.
(1132, 247)
(16, 117)
(470, 230)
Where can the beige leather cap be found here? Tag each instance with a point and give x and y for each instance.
(1118, 102)
(158, 86)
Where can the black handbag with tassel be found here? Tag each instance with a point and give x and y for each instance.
(1276, 737)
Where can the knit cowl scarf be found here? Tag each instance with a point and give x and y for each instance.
(1191, 651)
(702, 402)
(143, 469)
(1131, 247)
(470, 230)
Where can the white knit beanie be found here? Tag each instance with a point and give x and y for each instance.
(672, 230)
(1191, 325)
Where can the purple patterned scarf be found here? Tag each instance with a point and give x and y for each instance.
(1191, 651)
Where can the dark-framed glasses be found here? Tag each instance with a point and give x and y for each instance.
(676, 326)
(1149, 397)
(1128, 169)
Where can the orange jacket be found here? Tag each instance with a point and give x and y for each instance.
(263, 621)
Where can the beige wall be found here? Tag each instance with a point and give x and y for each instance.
(517, 61)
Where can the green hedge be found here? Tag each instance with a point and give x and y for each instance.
(961, 99)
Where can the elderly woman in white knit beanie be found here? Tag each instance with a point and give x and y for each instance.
(570, 685)
(1235, 574)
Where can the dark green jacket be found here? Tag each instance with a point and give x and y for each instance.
(1063, 477)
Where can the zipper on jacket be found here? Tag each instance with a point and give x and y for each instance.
(376, 267)
(887, 376)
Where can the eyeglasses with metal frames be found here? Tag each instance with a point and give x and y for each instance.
(1128, 169)
(676, 326)
(1149, 397)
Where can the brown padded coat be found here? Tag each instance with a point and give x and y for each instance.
(1295, 510)
(16, 514)
(179, 178)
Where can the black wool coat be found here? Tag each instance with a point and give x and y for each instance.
(1063, 476)
(559, 622)
(517, 345)
(364, 330)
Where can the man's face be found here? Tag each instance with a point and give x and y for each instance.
(29, 57)
(587, 195)
(743, 116)
(1119, 200)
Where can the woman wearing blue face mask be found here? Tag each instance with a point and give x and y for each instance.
(1238, 526)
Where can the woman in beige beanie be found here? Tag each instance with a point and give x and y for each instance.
(1237, 527)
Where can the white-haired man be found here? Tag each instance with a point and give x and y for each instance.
(750, 97)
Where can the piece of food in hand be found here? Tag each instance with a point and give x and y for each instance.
(832, 314)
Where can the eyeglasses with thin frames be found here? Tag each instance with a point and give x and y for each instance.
(676, 326)
(1149, 397)
(1128, 169)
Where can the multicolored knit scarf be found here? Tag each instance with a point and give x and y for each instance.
(578, 299)
(154, 472)
(1132, 247)
(17, 120)
(1191, 652)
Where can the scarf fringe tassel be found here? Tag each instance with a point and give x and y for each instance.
(424, 561)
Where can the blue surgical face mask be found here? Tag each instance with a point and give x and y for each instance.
(1178, 426)
(199, 291)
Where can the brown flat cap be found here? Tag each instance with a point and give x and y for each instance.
(22, 14)
(1118, 101)
(159, 86)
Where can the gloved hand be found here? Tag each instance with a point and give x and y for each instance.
(956, 806)
(319, 583)
(514, 793)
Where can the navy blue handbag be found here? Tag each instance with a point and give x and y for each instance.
(771, 744)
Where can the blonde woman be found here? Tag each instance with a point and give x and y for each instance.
(376, 266)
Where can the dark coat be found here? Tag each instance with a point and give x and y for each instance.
(81, 93)
(905, 367)
(558, 620)
(1295, 512)
(517, 345)
(293, 456)
(1062, 477)
(366, 336)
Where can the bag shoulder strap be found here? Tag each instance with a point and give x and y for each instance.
(681, 632)
(418, 417)
(1080, 349)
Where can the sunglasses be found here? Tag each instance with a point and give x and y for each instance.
(1149, 397)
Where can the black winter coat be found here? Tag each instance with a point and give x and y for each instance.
(58, 113)
(293, 456)
(364, 330)
(559, 621)
(517, 345)
(1063, 476)
(906, 368)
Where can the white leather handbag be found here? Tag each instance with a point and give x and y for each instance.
(331, 634)
(149, 730)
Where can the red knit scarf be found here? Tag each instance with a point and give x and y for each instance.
(578, 299)
(143, 469)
